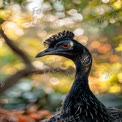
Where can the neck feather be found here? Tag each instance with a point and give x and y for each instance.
(83, 64)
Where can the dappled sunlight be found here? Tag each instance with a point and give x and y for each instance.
(120, 77)
(54, 81)
(104, 77)
(115, 89)
(96, 25)
(78, 31)
(40, 65)
(14, 32)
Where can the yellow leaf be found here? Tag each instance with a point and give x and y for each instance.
(119, 48)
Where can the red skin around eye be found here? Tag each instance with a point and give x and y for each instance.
(65, 46)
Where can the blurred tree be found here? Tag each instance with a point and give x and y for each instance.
(26, 23)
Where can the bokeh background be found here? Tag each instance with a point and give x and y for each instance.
(43, 83)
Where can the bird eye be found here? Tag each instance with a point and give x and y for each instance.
(65, 46)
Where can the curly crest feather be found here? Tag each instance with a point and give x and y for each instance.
(59, 36)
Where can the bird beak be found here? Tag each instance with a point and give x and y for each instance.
(45, 52)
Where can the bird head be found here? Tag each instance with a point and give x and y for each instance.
(62, 44)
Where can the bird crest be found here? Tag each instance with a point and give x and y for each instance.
(59, 36)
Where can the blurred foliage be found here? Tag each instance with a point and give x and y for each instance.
(24, 95)
(97, 24)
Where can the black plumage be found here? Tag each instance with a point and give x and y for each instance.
(58, 37)
(80, 104)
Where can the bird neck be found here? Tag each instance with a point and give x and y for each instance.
(80, 85)
(83, 66)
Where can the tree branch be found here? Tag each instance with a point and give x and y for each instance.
(13, 79)
(16, 50)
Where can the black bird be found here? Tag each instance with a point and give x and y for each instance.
(80, 104)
